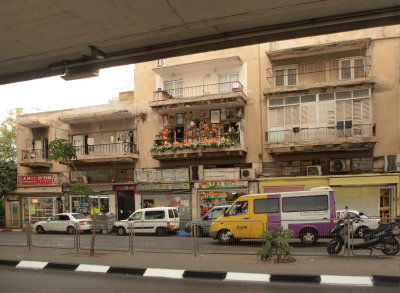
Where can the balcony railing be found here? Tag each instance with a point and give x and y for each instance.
(34, 154)
(105, 149)
(196, 143)
(318, 72)
(298, 134)
(198, 91)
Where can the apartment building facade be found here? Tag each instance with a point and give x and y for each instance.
(206, 128)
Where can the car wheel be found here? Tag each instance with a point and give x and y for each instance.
(121, 231)
(161, 231)
(40, 230)
(309, 236)
(225, 237)
(361, 231)
(391, 248)
(71, 230)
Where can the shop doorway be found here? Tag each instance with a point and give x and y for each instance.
(388, 204)
(126, 204)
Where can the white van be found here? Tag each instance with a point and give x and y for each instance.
(159, 221)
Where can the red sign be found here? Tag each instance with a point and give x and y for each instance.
(36, 180)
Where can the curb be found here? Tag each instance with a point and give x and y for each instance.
(13, 230)
(366, 281)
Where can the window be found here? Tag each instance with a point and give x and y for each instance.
(305, 203)
(215, 214)
(228, 82)
(63, 218)
(239, 208)
(170, 214)
(315, 116)
(78, 216)
(154, 215)
(176, 213)
(352, 68)
(285, 76)
(136, 216)
(266, 205)
(54, 218)
(174, 88)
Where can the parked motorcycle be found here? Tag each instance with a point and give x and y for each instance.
(383, 238)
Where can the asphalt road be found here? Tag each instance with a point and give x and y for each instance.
(21, 280)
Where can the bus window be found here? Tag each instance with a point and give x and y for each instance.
(266, 205)
(305, 203)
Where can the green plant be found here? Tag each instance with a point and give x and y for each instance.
(61, 151)
(276, 243)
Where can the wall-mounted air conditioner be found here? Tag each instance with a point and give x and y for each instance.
(392, 163)
(196, 173)
(314, 170)
(247, 173)
(339, 165)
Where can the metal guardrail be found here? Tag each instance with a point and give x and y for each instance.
(107, 148)
(137, 240)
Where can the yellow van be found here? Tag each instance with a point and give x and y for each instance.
(309, 214)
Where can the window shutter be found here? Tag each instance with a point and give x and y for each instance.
(345, 69)
(292, 80)
(279, 77)
(357, 112)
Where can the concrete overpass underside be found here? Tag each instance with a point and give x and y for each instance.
(41, 38)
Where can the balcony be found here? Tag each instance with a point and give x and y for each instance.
(106, 153)
(35, 158)
(220, 95)
(229, 145)
(324, 139)
(326, 74)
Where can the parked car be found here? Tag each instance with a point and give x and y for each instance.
(364, 225)
(65, 222)
(204, 222)
(160, 220)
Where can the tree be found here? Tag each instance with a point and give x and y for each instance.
(8, 153)
(63, 152)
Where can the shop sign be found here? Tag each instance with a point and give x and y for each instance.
(212, 195)
(36, 180)
(124, 187)
(164, 186)
(221, 184)
(12, 197)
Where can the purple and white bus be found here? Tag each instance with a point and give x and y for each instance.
(309, 214)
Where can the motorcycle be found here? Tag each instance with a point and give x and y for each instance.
(383, 238)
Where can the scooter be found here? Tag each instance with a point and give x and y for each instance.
(383, 238)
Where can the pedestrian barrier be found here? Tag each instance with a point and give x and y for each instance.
(233, 237)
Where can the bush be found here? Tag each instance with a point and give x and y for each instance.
(276, 243)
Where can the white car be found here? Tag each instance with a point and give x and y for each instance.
(65, 222)
(362, 226)
(160, 220)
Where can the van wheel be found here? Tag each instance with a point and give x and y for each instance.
(121, 231)
(161, 231)
(225, 237)
(309, 236)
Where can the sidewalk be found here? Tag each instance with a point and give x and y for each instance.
(304, 265)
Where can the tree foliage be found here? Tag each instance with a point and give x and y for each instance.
(61, 151)
(276, 243)
(8, 152)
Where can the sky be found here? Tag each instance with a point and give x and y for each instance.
(54, 93)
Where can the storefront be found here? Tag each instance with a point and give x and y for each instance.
(373, 194)
(36, 198)
(125, 200)
(103, 200)
(217, 193)
(167, 195)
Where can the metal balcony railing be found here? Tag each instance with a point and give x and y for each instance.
(34, 154)
(197, 91)
(195, 142)
(298, 134)
(104, 149)
(318, 72)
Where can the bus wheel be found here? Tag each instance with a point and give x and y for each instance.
(309, 236)
(225, 237)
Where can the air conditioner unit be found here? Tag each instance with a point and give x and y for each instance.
(196, 173)
(82, 179)
(339, 165)
(314, 170)
(247, 173)
(392, 163)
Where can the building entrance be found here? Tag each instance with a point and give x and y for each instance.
(126, 204)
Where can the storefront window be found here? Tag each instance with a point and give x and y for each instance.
(80, 204)
(38, 209)
(210, 199)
